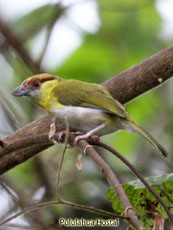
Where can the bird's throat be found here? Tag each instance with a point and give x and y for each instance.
(47, 98)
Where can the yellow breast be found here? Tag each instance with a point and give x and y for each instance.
(47, 98)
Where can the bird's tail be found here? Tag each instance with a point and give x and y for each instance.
(151, 139)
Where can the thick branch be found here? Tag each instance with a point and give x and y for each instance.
(43, 139)
(124, 87)
(142, 77)
(111, 177)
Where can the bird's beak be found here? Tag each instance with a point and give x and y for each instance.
(20, 91)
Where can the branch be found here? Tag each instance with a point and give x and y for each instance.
(142, 77)
(124, 87)
(135, 171)
(111, 177)
(58, 13)
(66, 203)
(43, 139)
(13, 41)
(16, 42)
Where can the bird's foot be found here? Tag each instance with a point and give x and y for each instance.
(90, 134)
(86, 136)
(62, 134)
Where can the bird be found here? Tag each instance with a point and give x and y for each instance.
(89, 108)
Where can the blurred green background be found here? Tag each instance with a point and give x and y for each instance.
(91, 41)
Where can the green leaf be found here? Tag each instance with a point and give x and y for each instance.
(153, 180)
(142, 200)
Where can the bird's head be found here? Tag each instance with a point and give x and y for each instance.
(39, 88)
(33, 86)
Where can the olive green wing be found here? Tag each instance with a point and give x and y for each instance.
(78, 93)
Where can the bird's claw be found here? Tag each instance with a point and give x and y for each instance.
(84, 137)
(62, 134)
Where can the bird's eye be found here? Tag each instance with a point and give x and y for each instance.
(36, 84)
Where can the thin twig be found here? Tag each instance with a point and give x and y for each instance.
(55, 17)
(111, 177)
(62, 157)
(166, 194)
(12, 40)
(137, 174)
(48, 34)
(43, 138)
(63, 202)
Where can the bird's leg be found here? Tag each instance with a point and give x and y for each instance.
(90, 134)
(62, 134)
